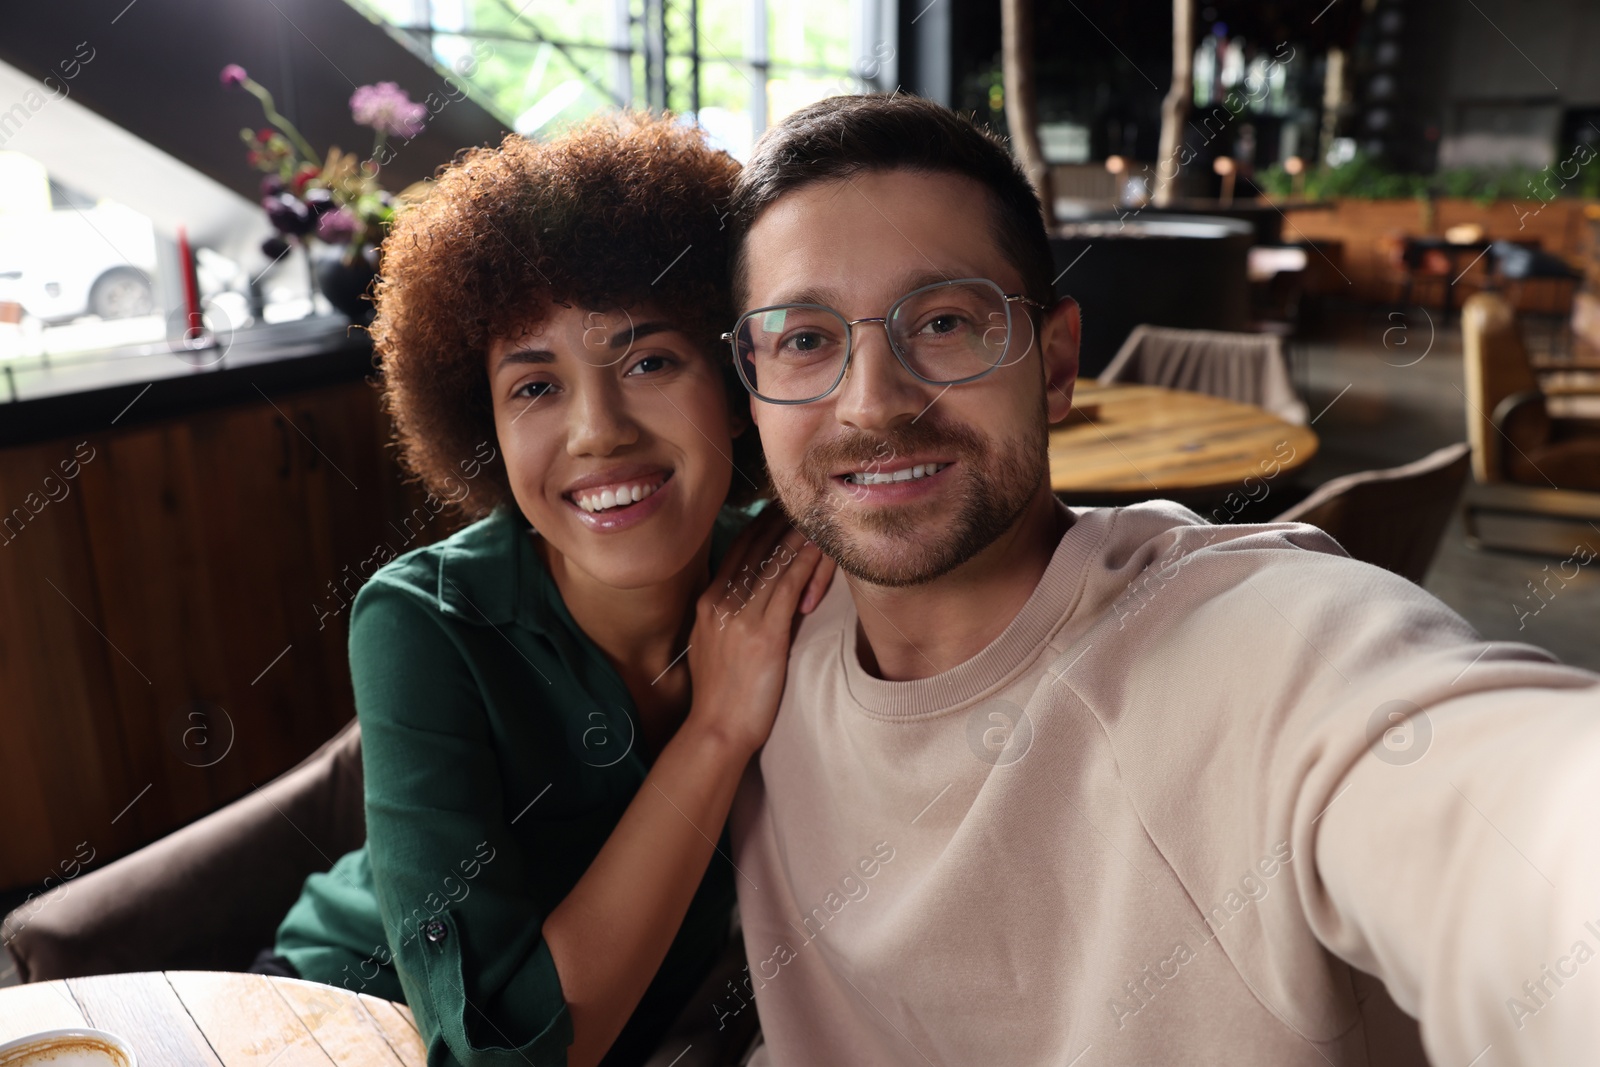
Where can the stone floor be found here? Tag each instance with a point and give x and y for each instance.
(1382, 395)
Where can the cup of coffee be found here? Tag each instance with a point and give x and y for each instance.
(77, 1047)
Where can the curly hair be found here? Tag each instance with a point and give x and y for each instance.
(623, 209)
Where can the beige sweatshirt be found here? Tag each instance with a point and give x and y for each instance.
(1204, 775)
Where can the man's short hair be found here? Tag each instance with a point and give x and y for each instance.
(842, 136)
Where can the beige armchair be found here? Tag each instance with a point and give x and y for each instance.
(1513, 435)
(1536, 473)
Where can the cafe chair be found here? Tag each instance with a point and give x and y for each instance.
(1248, 368)
(1535, 460)
(1515, 424)
(211, 895)
(208, 896)
(1416, 272)
(1390, 518)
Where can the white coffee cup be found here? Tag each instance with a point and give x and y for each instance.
(75, 1047)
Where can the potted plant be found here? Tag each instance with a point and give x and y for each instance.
(335, 201)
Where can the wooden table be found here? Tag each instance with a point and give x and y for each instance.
(1143, 441)
(219, 1019)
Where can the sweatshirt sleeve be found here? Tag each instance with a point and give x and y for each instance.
(1444, 790)
(450, 878)
(1280, 707)
(1457, 857)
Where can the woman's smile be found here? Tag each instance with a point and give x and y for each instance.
(619, 498)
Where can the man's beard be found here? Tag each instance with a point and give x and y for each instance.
(881, 545)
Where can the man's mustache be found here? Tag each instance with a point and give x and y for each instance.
(857, 449)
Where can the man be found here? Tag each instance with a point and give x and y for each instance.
(1115, 786)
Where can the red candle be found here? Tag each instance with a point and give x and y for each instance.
(191, 288)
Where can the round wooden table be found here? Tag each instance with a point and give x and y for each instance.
(212, 1018)
(1144, 441)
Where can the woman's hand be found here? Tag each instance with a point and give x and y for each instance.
(744, 622)
(610, 934)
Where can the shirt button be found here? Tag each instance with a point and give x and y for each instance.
(435, 930)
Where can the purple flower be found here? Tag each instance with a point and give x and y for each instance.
(386, 108)
(338, 226)
(233, 76)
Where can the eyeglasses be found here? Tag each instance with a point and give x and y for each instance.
(947, 333)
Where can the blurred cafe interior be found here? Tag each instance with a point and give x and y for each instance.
(1338, 264)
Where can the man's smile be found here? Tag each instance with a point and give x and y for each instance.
(882, 474)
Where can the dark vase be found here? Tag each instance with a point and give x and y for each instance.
(345, 285)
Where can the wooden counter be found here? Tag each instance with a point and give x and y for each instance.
(172, 628)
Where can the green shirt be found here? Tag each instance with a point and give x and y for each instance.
(498, 752)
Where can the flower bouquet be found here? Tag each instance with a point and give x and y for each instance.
(336, 200)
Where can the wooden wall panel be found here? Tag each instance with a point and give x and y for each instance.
(149, 564)
(62, 763)
(167, 624)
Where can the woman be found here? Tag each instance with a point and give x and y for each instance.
(544, 789)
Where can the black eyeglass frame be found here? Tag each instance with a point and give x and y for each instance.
(883, 320)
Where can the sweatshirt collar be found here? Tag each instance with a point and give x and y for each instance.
(1049, 607)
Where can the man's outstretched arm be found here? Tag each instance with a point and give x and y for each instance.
(1467, 874)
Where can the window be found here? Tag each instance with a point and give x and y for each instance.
(76, 273)
(85, 277)
(733, 66)
(89, 255)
